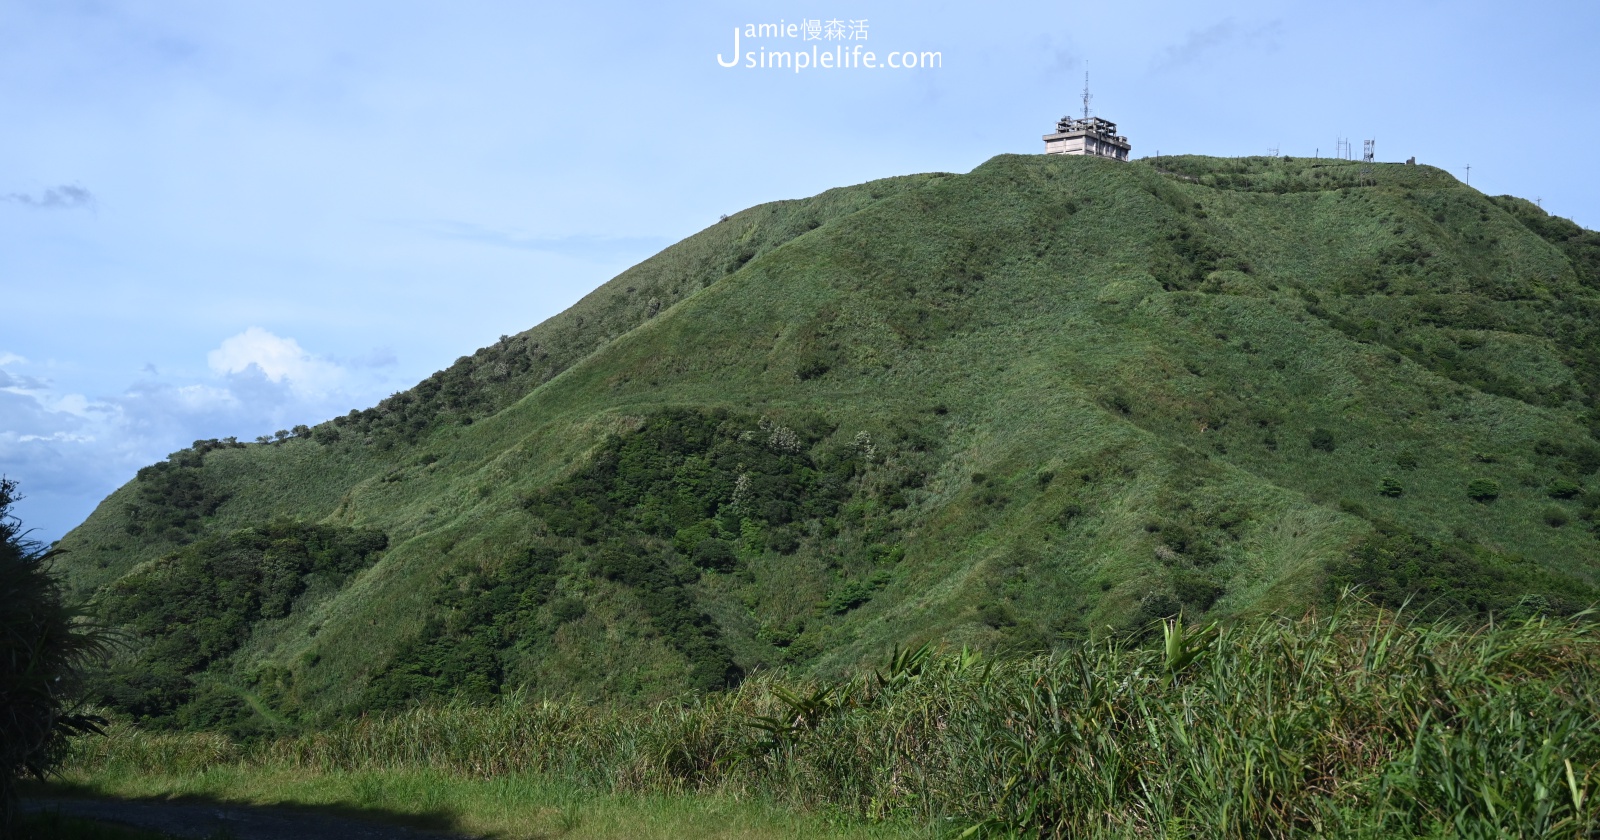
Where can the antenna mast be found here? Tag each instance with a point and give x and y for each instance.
(1086, 96)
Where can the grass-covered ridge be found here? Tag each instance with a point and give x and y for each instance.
(1094, 394)
(1350, 724)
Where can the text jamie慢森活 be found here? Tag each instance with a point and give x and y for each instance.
(833, 53)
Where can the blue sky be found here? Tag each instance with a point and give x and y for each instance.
(225, 219)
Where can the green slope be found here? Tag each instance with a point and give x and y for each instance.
(1047, 398)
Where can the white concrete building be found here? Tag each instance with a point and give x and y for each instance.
(1088, 136)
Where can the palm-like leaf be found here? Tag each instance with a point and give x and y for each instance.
(43, 646)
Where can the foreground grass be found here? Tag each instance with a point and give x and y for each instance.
(1354, 724)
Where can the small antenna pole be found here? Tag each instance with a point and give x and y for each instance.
(1469, 174)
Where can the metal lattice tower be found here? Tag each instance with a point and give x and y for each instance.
(1086, 94)
(1369, 150)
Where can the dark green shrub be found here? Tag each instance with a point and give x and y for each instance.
(219, 708)
(1483, 490)
(43, 651)
(1022, 638)
(1563, 488)
(812, 368)
(1394, 567)
(563, 610)
(997, 615)
(1322, 439)
(1406, 460)
(715, 555)
(1390, 487)
(1556, 517)
(1153, 609)
(1177, 537)
(853, 593)
(783, 540)
(1196, 589)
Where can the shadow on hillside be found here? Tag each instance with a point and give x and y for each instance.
(192, 815)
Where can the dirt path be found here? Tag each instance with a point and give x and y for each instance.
(235, 822)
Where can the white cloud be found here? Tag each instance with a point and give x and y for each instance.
(280, 360)
(70, 450)
(59, 437)
(74, 404)
(204, 397)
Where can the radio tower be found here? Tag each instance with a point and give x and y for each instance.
(1086, 96)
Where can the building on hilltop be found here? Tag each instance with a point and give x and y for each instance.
(1092, 136)
(1087, 136)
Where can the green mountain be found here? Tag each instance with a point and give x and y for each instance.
(1052, 398)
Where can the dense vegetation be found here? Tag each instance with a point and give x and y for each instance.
(192, 609)
(1444, 578)
(43, 650)
(1349, 724)
(173, 498)
(685, 495)
(1050, 400)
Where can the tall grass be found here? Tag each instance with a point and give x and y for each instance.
(1354, 723)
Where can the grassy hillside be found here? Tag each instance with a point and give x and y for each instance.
(1049, 399)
